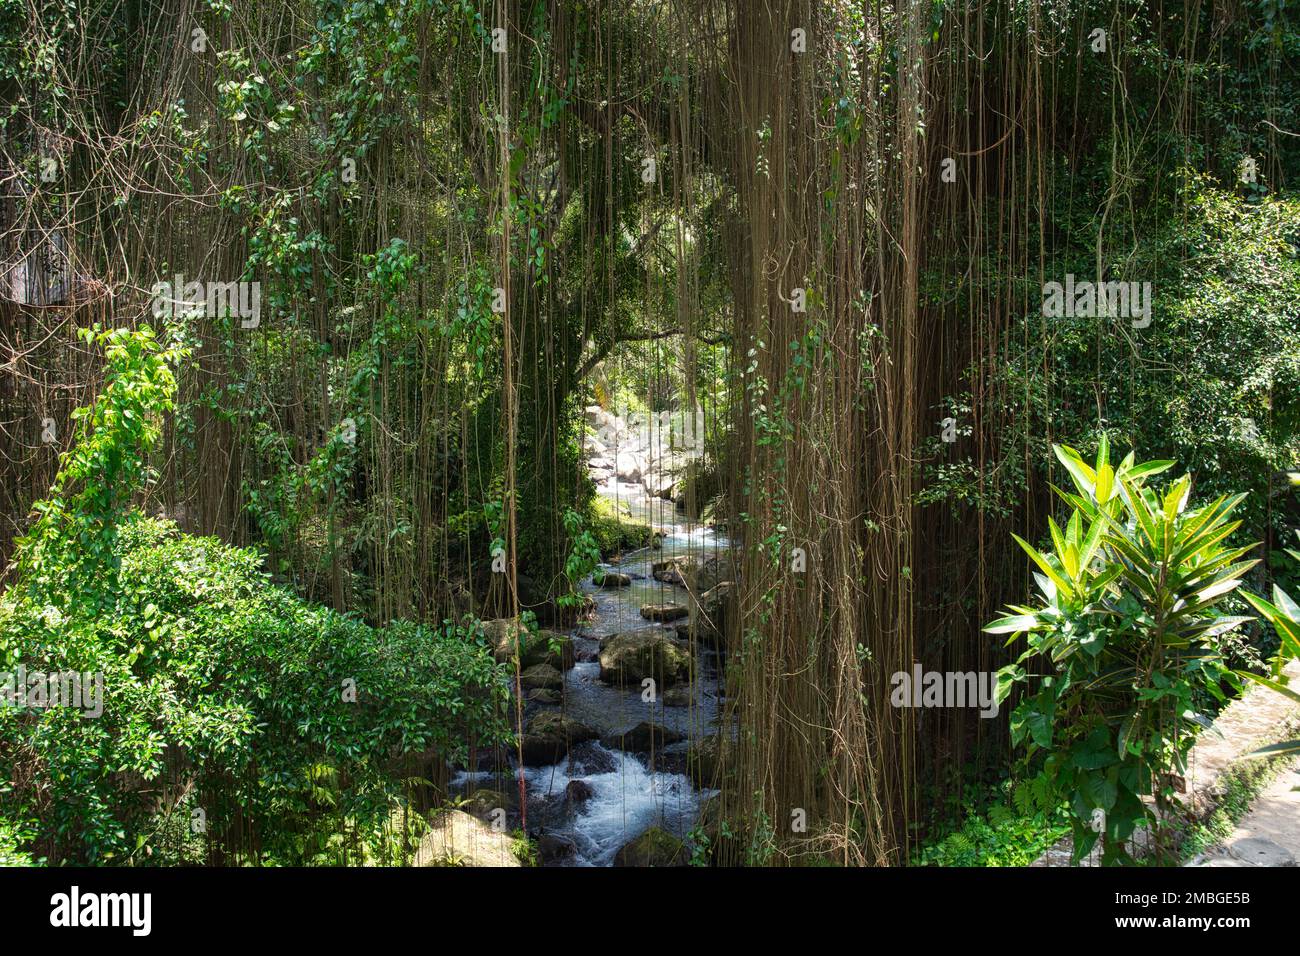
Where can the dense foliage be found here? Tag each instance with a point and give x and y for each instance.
(239, 722)
(1134, 638)
(470, 221)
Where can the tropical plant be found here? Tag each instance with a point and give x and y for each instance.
(1284, 614)
(1130, 632)
(583, 559)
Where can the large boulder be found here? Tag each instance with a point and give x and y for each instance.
(500, 635)
(629, 466)
(537, 647)
(611, 580)
(549, 736)
(645, 737)
(665, 612)
(455, 838)
(484, 803)
(655, 847)
(628, 658)
(672, 570)
(552, 848)
(541, 676)
(658, 481)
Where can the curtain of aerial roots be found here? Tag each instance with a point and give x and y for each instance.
(838, 390)
(815, 755)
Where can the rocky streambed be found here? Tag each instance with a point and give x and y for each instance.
(622, 712)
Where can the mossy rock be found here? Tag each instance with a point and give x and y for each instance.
(645, 737)
(539, 647)
(455, 838)
(549, 736)
(541, 676)
(483, 803)
(627, 659)
(655, 847)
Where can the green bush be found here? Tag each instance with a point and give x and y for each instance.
(282, 722)
(1131, 636)
(11, 837)
(615, 533)
(1001, 837)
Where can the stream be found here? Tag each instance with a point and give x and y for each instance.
(628, 795)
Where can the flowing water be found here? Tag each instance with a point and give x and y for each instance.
(629, 793)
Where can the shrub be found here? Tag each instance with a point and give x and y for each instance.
(237, 718)
(1130, 634)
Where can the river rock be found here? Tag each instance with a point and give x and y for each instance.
(589, 759)
(551, 848)
(655, 847)
(632, 656)
(673, 570)
(455, 838)
(643, 738)
(539, 647)
(665, 612)
(610, 580)
(578, 792)
(483, 803)
(549, 736)
(541, 676)
(678, 696)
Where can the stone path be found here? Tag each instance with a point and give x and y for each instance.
(1269, 835)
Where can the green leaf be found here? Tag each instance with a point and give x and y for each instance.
(1062, 585)
(1085, 478)
(1012, 624)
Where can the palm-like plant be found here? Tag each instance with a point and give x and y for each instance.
(1284, 615)
(1129, 629)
